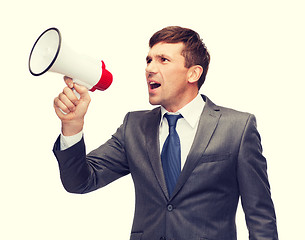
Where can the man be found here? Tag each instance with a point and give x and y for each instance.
(190, 159)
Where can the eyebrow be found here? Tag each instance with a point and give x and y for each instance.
(157, 56)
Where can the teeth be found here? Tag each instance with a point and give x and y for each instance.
(154, 85)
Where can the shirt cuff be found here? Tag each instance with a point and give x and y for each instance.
(68, 141)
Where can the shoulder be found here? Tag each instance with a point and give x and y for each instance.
(228, 114)
(137, 118)
(144, 113)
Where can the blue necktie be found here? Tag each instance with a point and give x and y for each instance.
(171, 154)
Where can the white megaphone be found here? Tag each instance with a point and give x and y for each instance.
(49, 53)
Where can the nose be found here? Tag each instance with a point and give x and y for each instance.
(151, 68)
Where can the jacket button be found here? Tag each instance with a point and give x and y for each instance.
(170, 207)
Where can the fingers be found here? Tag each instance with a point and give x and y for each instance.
(81, 90)
(66, 100)
(68, 81)
(68, 106)
(60, 113)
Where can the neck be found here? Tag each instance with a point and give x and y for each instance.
(176, 107)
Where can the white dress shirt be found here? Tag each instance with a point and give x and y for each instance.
(186, 128)
(69, 141)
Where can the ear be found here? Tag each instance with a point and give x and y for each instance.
(194, 73)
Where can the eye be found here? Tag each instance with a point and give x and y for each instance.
(163, 59)
(148, 60)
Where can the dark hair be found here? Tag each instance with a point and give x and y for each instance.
(195, 51)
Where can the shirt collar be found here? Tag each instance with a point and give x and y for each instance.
(190, 112)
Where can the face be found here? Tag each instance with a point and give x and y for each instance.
(167, 77)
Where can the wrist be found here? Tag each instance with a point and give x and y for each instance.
(72, 127)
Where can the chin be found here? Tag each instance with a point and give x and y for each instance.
(154, 102)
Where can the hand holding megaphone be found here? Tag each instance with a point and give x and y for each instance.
(49, 53)
(70, 109)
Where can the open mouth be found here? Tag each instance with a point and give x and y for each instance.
(154, 85)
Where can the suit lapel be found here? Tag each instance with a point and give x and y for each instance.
(207, 125)
(151, 130)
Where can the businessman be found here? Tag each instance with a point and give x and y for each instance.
(190, 160)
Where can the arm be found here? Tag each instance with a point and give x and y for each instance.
(80, 173)
(254, 186)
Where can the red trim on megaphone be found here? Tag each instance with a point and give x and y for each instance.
(105, 81)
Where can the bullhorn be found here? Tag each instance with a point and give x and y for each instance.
(50, 54)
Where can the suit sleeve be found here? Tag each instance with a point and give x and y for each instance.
(254, 186)
(81, 173)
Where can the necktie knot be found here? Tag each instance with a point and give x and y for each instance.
(172, 119)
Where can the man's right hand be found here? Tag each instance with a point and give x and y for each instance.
(71, 110)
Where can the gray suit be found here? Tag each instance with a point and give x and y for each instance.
(225, 162)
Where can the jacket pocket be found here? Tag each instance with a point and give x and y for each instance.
(136, 236)
(215, 158)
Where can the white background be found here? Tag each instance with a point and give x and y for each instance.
(257, 51)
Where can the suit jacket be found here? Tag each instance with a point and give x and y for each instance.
(225, 162)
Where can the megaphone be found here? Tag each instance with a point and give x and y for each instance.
(49, 53)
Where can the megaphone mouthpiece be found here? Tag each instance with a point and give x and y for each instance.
(105, 80)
